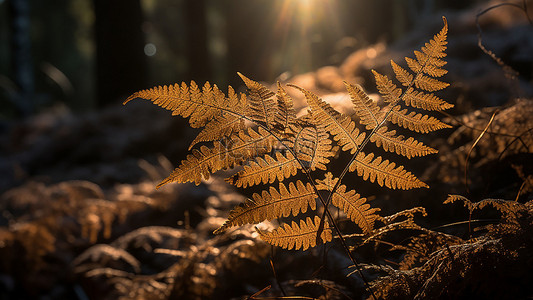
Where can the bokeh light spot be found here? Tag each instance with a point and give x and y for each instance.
(150, 49)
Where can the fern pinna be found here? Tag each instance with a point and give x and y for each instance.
(261, 132)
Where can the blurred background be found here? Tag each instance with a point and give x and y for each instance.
(78, 170)
(67, 65)
(86, 54)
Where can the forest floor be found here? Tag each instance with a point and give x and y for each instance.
(81, 218)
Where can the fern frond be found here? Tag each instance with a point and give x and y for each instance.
(266, 170)
(509, 209)
(429, 84)
(384, 172)
(107, 253)
(402, 74)
(200, 106)
(225, 123)
(272, 204)
(296, 236)
(390, 142)
(365, 108)
(428, 63)
(415, 121)
(433, 69)
(262, 107)
(220, 127)
(285, 114)
(341, 127)
(355, 208)
(424, 100)
(455, 198)
(388, 90)
(201, 163)
(312, 145)
(351, 203)
(307, 144)
(198, 165)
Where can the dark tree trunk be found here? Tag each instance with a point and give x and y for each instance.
(249, 44)
(21, 58)
(121, 65)
(197, 41)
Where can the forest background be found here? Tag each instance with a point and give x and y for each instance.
(87, 54)
(80, 215)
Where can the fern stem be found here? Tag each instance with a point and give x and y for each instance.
(274, 271)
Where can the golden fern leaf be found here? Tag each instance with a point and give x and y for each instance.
(429, 62)
(388, 90)
(415, 121)
(271, 205)
(341, 127)
(266, 170)
(351, 203)
(224, 124)
(429, 84)
(221, 126)
(296, 237)
(390, 142)
(196, 166)
(285, 115)
(384, 172)
(425, 101)
(312, 145)
(455, 198)
(262, 106)
(402, 74)
(249, 144)
(509, 209)
(365, 108)
(201, 163)
(200, 106)
(433, 68)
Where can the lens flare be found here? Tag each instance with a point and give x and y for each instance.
(300, 26)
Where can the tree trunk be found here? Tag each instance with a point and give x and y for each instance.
(199, 68)
(21, 58)
(121, 65)
(249, 42)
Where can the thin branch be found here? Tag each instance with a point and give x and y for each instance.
(474, 145)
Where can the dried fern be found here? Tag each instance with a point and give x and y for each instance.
(244, 129)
